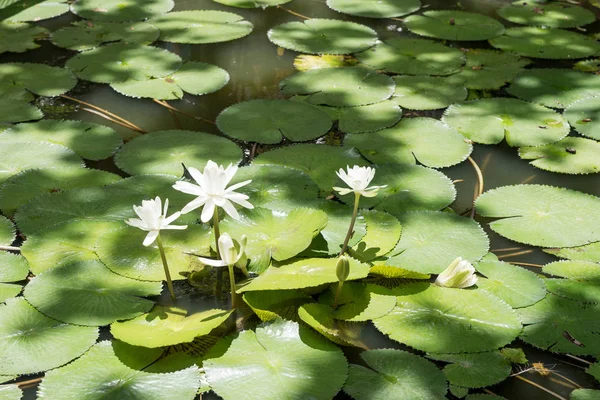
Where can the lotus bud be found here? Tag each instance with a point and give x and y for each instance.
(459, 274)
(343, 268)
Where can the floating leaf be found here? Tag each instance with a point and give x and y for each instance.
(575, 270)
(360, 302)
(515, 285)
(252, 3)
(323, 36)
(558, 14)
(21, 77)
(413, 57)
(18, 111)
(13, 267)
(18, 37)
(375, 8)
(594, 370)
(87, 293)
(431, 240)
(592, 65)
(588, 252)
(320, 318)
(121, 10)
(514, 355)
(163, 152)
(10, 392)
(7, 231)
(383, 232)
(582, 283)
(340, 87)
(303, 273)
(102, 375)
(24, 11)
(584, 394)
(9, 290)
(488, 121)
(454, 25)
(370, 118)
(269, 305)
(395, 374)
(540, 215)
(306, 62)
(427, 140)
(119, 62)
(546, 43)
(427, 92)
(571, 155)
(201, 26)
(269, 121)
(584, 115)
(31, 342)
(457, 320)
(474, 370)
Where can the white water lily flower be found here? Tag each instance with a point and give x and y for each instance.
(153, 219)
(459, 274)
(358, 178)
(212, 191)
(228, 251)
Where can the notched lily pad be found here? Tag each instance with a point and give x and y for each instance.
(427, 92)
(13, 267)
(32, 10)
(18, 37)
(17, 78)
(375, 8)
(582, 281)
(369, 118)
(474, 370)
(269, 305)
(120, 10)
(557, 14)
(571, 155)
(584, 116)
(7, 231)
(454, 25)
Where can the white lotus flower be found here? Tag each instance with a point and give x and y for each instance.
(153, 219)
(459, 274)
(212, 191)
(358, 178)
(228, 251)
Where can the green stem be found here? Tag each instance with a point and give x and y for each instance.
(337, 294)
(351, 228)
(232, 285)
(217, 236)
(164, 261)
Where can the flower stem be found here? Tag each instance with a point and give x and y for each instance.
(217, 236)
(232, 285)
(164, 261)
(337, 294)
(351, 228)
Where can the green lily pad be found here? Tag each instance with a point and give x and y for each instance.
(488, 121)
(31, 342)
(514, 355)
(571, 155)
(252, 3)
(340, 87)
(540, 215)
(20, 188)
(360, 302)
(167, 326)
(7, 231)
(196, 78)
(269, 121)
(121, 10)
(454, 25)
(515, 285)
(9, 290)
(594, 370)
(375, 8)
(88, 140)
(395, 374)
(12, 111)
(303, 273)
(126, 61)
(561, 325)
(431, 240)
(306, 62)
(557, 14)
(575, 270)
(320, 318)
(323, 36)
(288, 359)
(88, 293)
(276, 235)
(270, 305)
(18, 37)
(413, 57)
(427, 92)
(458, 320)
(31, 10)
(13, 267)
(584, 115)
(163, 152)
(556, 88)
(584, 394)
(582, 283)
(86, 35)
(383, 233)
(370, 118)
(201, 26)
(592, 65)
(21, 77)
(102, 375)
(546, 43)
(10, 392)
(474, 370)
(588, 252)
(410, 141)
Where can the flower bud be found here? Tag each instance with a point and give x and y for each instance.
(459, 274)
(343, 268)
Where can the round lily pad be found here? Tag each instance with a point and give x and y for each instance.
(13, 267)
(458, 320)
(323, 36)
(26, 76)
(411, 140)
(31, 342)
(454, 25)
(475, 370)
(557, 14)
(584, 394)
(571, 155)
(252, 3)
(201, 26)
(431, 240)
(584, 116)
(369, 118)
(18, 111)
(556, 88)
(18, 37)
(30, 10)
(319, 317)
(269, 121)
(9, 290)
(588, 252)
(340, 87)
(427, 92)
(540, 215)
(163, 152)
(520, 123)
(121, 10)
(375, 8)
(127, 61)
(101, 374)
(546, 43)
(7, 231)
(582, 283)
(413, 57)
(86, 35)
(88, 293)
(360, 302)
(575, 270)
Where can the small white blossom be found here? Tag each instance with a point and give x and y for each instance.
(460, 274)
(228, 251)
(358, 178)
(153, 219)
(212, 191)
